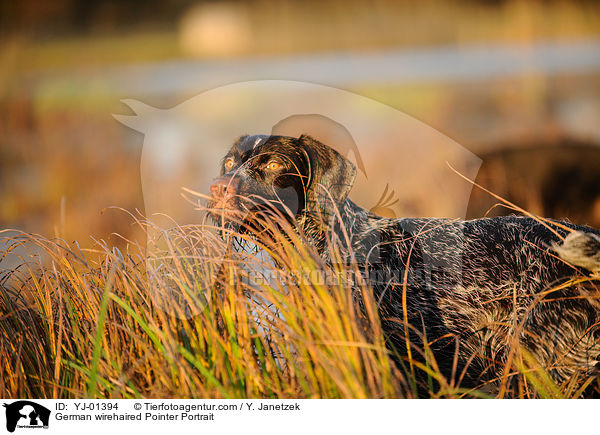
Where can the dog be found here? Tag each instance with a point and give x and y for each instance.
(468, 289)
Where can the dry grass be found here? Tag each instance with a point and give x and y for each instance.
(129, 326)
(197, 318)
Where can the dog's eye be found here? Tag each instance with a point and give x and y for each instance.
(228, 164)
(273, 165)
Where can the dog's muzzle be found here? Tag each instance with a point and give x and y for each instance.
(224, 192)
(224, 188)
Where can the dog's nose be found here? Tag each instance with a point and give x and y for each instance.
(224, 186)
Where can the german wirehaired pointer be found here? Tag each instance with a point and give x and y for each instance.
(471, 287)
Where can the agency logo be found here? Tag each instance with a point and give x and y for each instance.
(404, 167)
(25, 414)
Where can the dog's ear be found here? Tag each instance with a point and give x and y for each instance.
(331, 176)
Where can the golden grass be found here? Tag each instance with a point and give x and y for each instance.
(188, 316)
(129, 326)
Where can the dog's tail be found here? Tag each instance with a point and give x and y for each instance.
(581, 249)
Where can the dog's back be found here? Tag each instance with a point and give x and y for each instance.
(475, 289)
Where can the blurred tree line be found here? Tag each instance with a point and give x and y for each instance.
(60, 17)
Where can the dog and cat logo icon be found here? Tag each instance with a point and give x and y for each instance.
(25, 414)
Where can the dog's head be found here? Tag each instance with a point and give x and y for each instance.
(292, 177)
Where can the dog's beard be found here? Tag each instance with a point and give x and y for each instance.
(227, 215)
(224, 212)
(246, 220)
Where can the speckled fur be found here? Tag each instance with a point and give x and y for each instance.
(474, 289)
(479, 288)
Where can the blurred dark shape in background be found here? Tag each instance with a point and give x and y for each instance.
(75, 17)
(65, 65)
(558, 178)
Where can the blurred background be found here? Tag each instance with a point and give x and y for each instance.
(515, 82)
